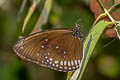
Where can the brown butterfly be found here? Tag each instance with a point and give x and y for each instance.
(59, 49)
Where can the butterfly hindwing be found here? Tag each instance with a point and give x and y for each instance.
(65, 54)
(57, 49)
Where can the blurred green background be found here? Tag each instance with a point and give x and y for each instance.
(104, 63)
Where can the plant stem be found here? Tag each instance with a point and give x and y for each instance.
(106, 11)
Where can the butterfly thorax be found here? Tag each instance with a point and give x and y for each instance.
(76, 32)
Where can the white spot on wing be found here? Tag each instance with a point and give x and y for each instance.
(75, 62)
(69, 63)
(50, 59)
(61, 62)
(69, 68)
(73, 67)
(65, 62)
(72, 62)
(77, 66)
(53, 64)
(46, 40)
(46, 57)
(60, 67)
(59, 70)
(57, 47)
(47, 60)
(42, 61)
(38, 54)
(56, 62)
(57, 65)
(37, 62)
(64, 52)
(65, 67)
(79, 61)
(48, 53)
(50, 62)
(42, 46)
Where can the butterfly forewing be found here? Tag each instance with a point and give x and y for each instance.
(57, 49)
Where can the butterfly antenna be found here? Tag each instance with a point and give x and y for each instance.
(78, 21)
(110, 42)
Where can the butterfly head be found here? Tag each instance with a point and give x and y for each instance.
(76, 32)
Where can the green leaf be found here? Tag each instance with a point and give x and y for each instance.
(89, 45)
(45, 13)
(24, 2)
(30, 12)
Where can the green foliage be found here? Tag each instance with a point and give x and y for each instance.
(60, 14)
(89, 46)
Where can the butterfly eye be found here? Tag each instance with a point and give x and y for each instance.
(59, 49)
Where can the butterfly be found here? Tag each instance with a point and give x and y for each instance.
(59, 49)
